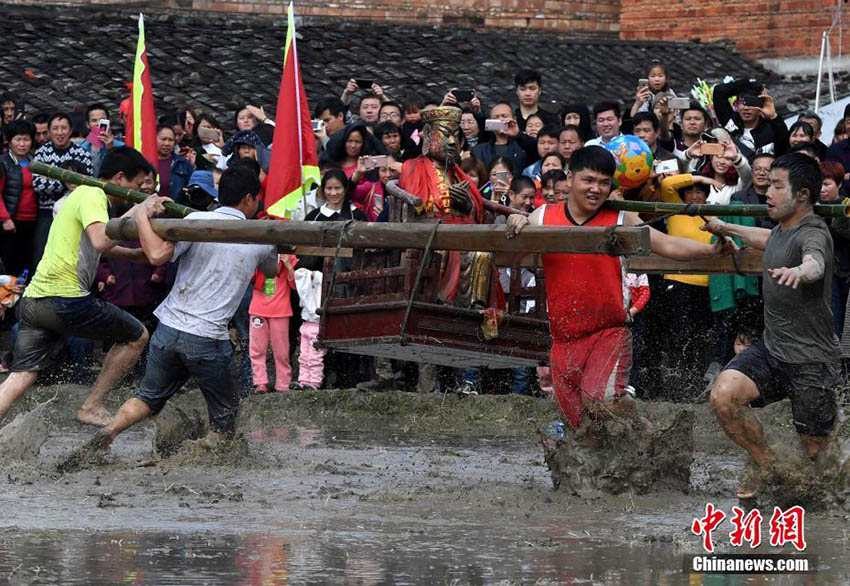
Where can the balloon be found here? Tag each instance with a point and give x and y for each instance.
(634, 161)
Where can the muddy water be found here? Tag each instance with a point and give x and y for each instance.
(376, 502)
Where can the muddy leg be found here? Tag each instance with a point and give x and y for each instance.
(814, 444)
(730, 398)
(15, 385)
(117, 363)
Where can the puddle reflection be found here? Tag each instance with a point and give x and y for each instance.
(61, 557)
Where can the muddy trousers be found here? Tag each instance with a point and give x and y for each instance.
(311, 362)
(274, 330)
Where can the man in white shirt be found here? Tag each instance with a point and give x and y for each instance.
(192, 337)
(608, 121)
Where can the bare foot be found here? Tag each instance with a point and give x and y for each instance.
(99, 417)
(751, 482)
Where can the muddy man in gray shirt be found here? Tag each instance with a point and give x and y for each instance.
(191, 339)
(797, 357)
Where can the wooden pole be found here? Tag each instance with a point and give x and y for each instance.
(488, 238)
(125, 193)
(658, 207)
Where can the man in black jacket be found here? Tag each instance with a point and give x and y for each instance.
(512, 144)
(753, 129)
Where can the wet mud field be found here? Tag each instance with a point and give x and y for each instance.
(346, 487)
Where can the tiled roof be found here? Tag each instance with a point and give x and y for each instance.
(62, 57)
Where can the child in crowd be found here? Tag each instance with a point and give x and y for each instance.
(311, 366)
(657, 86)
(269, 313)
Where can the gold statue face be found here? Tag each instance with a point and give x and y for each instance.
(441, 133)
(441, 141)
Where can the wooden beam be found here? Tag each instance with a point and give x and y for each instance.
(490, 238)
(748, 263)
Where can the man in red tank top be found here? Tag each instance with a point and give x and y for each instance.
(587, 295)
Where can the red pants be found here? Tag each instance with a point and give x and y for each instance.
(594, 368)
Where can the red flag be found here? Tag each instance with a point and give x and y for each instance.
(142, 137)
(294, 162)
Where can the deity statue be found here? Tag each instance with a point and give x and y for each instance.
(448, 195)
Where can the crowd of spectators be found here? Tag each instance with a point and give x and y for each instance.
(517, 153)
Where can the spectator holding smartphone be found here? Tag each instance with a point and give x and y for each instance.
(729, 172)
(100, 138)
(509, 143)
(209, 141)
(500, 174)
(654, 85)
(754, 128)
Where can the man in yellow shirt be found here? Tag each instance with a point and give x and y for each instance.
(58, 303)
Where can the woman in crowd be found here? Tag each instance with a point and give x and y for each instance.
(471, 127)
(173, 170)
(839, 228)
(350, 158)
(730, 172)
(19, 205)
(209, 140)
(336, 190)
(533, 125)
(800, 133)
(578, 115)
(500, 176)
(552, 162)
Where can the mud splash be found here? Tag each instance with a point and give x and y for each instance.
(615, 457)
(23, 437)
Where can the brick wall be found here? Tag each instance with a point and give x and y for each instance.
(597, 17)
(759, 28)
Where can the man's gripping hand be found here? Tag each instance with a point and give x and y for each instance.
(515, 224)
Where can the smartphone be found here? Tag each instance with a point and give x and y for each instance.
(208, 133)
(494, 125)
(376, 161)
(463, 95)
(711, 148)
(500, 176)
(364, 84)
(317, 125)
(679, 103)
(103, 125)
(753, 101)
(671, 166)
(643, 82)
